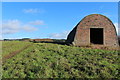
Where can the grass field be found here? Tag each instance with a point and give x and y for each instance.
(11, 46)
(47, 60)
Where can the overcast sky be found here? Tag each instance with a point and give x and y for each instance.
(50, 19)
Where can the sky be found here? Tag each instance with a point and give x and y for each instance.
(50, 19)
(60, 0)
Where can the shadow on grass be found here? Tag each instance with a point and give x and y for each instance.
(61, 43)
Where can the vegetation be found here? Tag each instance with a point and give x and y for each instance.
(47, 60)
(11, 46)
(59, 40)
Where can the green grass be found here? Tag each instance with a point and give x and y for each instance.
(11, 46)
(46, 60)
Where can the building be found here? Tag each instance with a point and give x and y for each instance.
(94, 29)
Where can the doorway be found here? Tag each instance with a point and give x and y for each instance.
(96, 35)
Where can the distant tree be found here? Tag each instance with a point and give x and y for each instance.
(6, 39)
(25, 38)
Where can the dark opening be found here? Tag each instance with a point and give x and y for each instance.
(96, 35)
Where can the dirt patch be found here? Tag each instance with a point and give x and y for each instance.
(14, 53)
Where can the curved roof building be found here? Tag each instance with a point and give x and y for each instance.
(94, 29)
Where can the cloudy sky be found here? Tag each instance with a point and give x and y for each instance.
(50, 19)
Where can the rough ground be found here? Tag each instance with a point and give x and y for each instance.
(14, 53)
